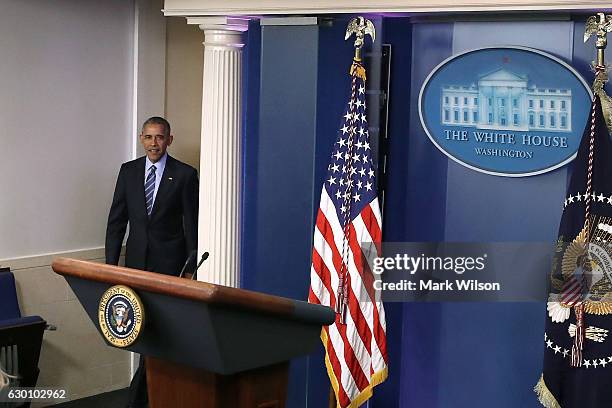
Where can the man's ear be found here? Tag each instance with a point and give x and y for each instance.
(170, 139)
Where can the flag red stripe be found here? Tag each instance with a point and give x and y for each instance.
(324, 275)
(361, 379)
(371, 223)
(344, 400)
(328, 233)
(353, 303)
(312, 297)
(368, 281)
(367, 278)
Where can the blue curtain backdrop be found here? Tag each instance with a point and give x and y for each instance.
(441, 355)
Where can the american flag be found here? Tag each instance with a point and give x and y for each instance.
(341, 278)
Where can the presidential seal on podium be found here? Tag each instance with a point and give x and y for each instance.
(120, 315)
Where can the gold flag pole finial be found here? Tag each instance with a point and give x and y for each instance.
(360, 27)
(600, 25)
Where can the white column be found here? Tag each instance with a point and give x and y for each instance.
(220, 157)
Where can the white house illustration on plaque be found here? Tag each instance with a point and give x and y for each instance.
(504, 100)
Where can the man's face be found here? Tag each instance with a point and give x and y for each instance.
(155, 141)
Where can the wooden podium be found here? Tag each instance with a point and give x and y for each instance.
(206, 346)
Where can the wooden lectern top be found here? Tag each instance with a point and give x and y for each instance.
(193, 290)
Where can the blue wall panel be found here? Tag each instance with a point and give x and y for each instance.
(506, 363)
(529, 199)
(415, 203)
(281, 166)
(250, 142)
(478, 354)
(487, 208)
(416, 166)
(277, 231)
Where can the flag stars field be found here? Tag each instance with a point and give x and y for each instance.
(356, 167)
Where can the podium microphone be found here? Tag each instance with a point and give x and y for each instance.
(202, 259)
(192, 255)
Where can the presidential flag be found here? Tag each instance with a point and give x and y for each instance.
(348, 225)
(578, 349)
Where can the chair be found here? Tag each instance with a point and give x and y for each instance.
(20, 337)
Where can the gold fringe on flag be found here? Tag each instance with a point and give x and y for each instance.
(544, 395)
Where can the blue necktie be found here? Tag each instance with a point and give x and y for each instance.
(149, 190)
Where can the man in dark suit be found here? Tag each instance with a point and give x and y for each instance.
(158, 196)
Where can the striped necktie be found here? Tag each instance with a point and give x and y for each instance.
(150, 189)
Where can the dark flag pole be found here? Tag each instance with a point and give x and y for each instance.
(578, 351)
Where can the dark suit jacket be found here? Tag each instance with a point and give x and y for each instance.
(161, 243)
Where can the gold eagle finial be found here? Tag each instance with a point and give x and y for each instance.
(360, 27)
(600, 25)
